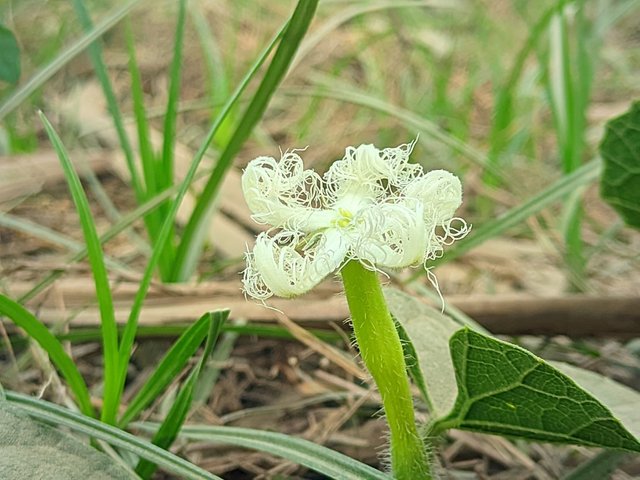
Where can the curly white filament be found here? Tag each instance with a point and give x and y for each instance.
(372, 205)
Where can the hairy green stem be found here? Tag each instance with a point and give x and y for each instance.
(382, 353)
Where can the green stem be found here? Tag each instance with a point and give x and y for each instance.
(382, 353)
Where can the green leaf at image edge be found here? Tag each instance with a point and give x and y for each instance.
(32, 449)
(9, 56)
(50, 413)
(506, 390)
(620, 151)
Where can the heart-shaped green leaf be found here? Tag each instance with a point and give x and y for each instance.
(620, 151)
(506, 390)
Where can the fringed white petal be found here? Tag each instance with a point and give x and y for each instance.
(400, 171)
(440, 193)
(391, 235)
(283, 194)
(355, 177)
(288, 264)
(369, 174)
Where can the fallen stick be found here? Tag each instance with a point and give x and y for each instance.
(572, 315)
(509, 314)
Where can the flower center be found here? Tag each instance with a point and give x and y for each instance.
(345, 218)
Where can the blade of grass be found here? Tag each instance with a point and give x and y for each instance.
(171, 364)
(165, 173)
(147, 155)
(131, 326)
(38, 332)
(175, 418)
(114, 215)
(211, 370)
(169, 129)
(569, 80)
(45, 73)
(503, 110)
(96, 260)
(218, 77)
(95, 53)
(598, 467)
(84, 335)
(50, 413)
(192, 242)
(137, 96)
(303, 452)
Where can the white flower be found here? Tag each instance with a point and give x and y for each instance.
(373, 206)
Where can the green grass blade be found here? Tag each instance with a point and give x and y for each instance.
(131, 326)
(175, 418)
(168, 430)
(38, 332)
(50, 413)
(45, 73)
(561, 88)
(169, 130)
(503, 109)
(151, 167)
(211, 370)
(303, 452)
(569, 84)
(95, 53)
(598, 467)
(165, 173)
(217, 75)
(147, 155)
(193, 237)
(171, 365)
(96, 260)
(84, 335)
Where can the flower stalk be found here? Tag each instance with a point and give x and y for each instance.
(381, 351)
